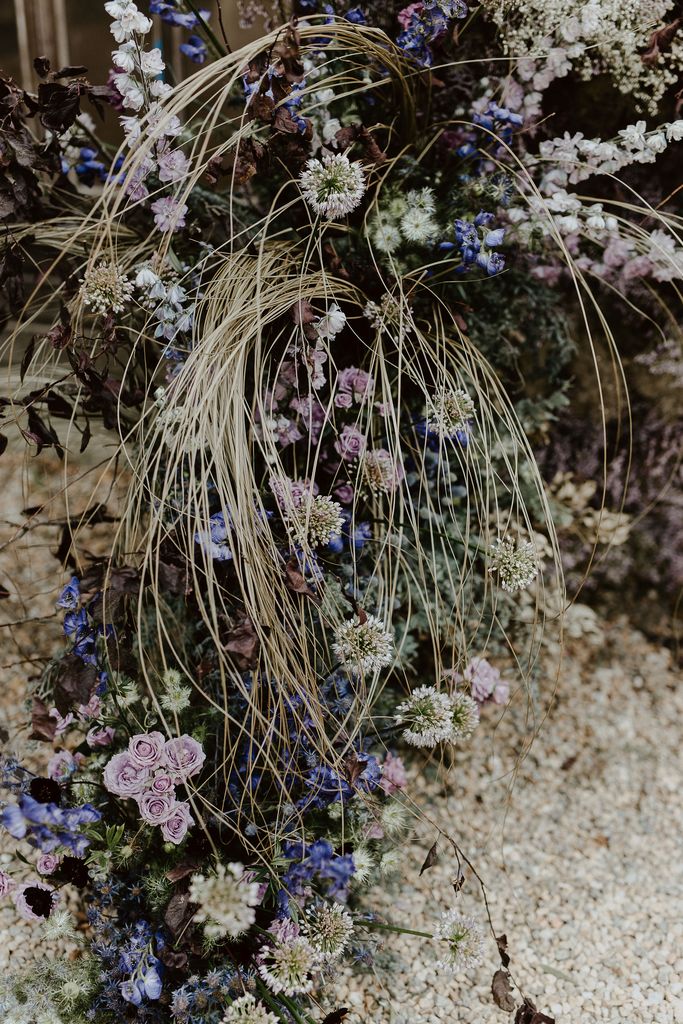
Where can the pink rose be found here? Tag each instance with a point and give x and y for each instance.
(6, 883)
(344, 493)
(343, 400)
(356, 383)
(47, 864)
(351, 443)
(147, 749)
(100, 737)
(393, 775)
(174, 829)
(124, 777)
(155, 808)
(162, 783)
(184, 758)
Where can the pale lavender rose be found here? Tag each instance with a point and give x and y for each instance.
(174, 829)
(357, 383)
(343, 400)
(100, 737)
(6, 884)
(124, 777)
(184, 758)
(47, 863)
(351, 443)
(344, 493)
(61, 765)
(155, 808)
(35, 901)
(147, 749)
(162, 783)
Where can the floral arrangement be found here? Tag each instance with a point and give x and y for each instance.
(311, 301)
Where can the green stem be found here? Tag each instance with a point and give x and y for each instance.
(395, 928)
(210, 34)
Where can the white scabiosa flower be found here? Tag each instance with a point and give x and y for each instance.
(226, 901)
(426, 717)
(390, 862)
(363, 865)
(421, 199)
(385, 236)
(417, 225)
(287, 966)
(175, 697)
(316, 521)
(364, 645)
(393, 818)
(516, 566)
(450, 413)
(333, 186)
(329, 928)
(106, 289)
(248, 1010)
(464, 716)
(464, 940)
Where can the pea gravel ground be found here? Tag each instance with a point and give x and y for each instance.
(579, 843)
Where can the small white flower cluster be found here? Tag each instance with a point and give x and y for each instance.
(106, 289)
(287, 964)
(161, 292)
(450, 413)
(226, 901)
(408, 218)
(389, 315)
(247, 1010)
(516, 567)
(333, 186)
(175, 697)
(431, 716)
(316, 521)
(138, 79)
(380, 472)
(591, 36)
(464, 940)
(328, 927)
(364, 645)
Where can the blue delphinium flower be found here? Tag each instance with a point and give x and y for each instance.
(317, 862)
(215, 541)
(356, 535)
(195, 49)
(71, 594)
(426, 25)
(477, 246)
(169, 13)
(47, 825)
(356, 16)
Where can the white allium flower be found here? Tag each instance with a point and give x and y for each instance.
(226, 901)
(176, 697)
(464, 716)
(247, 1010)
(426, 716)
(329, 928)
(287, 965)
(417, 225)
(364, 646)
(332, 323)
(106, 289)
(316, 521)
(381, 473)
(450, 413)
(516, 567)
(465, 942)
(334, 186)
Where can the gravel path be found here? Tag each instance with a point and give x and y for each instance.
(582, 857)
(579, 844)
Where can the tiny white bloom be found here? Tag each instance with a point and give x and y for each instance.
(247, 1010)
(226, 900)
(464, 939)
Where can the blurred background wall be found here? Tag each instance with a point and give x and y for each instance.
(77, 32)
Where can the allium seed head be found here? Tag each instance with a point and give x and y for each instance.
(333, 186)
(516, 567)
(364, 646)
(426, 716)
(465, 942)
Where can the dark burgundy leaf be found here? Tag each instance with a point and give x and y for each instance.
(85, 438)
(179, 913)
(430, 859)
(296, 580)
(528, 1014)
(42, 66)
(336, 1017)
(3, 444)
(502, 991)
(74, 684)
(26, 358)
(181, 871)
(502, 943)
(243, 642)
(43, 727)
(60, 336)
(71, 72)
